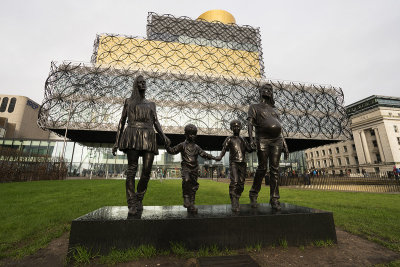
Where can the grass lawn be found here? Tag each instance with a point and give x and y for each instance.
(33, 213)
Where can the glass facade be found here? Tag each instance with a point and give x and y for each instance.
(96, 160)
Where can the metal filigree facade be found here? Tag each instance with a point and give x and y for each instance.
(197, 72)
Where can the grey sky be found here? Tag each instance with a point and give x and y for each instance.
(350, 44)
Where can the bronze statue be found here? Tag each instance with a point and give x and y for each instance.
(269, 143)
(237, 147)
(190, 167)
(138, 139)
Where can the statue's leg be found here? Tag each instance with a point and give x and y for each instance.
(233, 186)
(186, 190)
(194, 186)
(274, 156)
(133, 157)
(148, 158)
(258, 177)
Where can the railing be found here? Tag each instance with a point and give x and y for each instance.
(370, 182)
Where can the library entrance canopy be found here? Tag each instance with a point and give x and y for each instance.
(200, 72)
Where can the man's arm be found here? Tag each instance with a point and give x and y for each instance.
(250, 122)
(175, 150)
(204, 154)
(120, 127)
(158, 128)
(285, 149)
(224, 148)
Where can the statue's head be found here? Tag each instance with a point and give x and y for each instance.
(140, 83)
(267, 93)
(236, 126)
(191, 132)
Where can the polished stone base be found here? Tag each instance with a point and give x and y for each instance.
(110, 227)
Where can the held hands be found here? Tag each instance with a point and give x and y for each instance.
(167, 141)
(286, 154)
(114, 150)
(253, 144)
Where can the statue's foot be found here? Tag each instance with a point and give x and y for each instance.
(186, 201)
(275, 204)
(253, 202)
(139, 206)
(132, 210)
(192, 209)
(235, 204)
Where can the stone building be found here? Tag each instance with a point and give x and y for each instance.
(375, 142)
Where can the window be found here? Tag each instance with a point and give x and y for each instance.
(11, 107)
(375, 143)
(317, 153)
(337, 150)
(319, 163)
(305, 154)
(325, 163)
(3, 105)
(372, 132)
(396, 130)
(339, 162)
(330, 151)
(354, 146)
(331, 162)
(356, 160)
(311, 154)
(398, 140)
(378, 157)
(323, 152)
(345, 148)
(347, 161)
(390, 114)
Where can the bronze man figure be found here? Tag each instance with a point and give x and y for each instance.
(269, 143)
(138, 139)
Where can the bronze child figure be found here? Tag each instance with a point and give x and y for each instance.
(237, 147)
(190, 167)
(269, 143)
(138, 139)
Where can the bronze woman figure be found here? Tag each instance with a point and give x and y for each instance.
(138, 139)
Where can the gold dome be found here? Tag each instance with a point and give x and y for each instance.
(218, 15)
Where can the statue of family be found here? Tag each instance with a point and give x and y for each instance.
(138, 139)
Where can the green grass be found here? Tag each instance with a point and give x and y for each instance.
(33, 213)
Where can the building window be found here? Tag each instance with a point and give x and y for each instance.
(345, 148)
(305, 154)
(317, 154)
(372, 132)
(356, 160)
(319, 164)
(11, 107)
(323, 152)
(347, 161)
(398, 140)
(331, 162)
(339, 162)
(354, 146)
(311, 154)
(378, 158)
(330, 151)
(375, 143)
(337, 150)
(3, 105)
(396, 130)
(325, 163)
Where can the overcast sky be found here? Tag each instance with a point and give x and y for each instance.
(351, 44)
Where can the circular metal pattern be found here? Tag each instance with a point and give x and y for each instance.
(196, 72)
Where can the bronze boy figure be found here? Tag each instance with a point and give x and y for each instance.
(268, 142)
(237, 147)
(138, 139)
(190, 167)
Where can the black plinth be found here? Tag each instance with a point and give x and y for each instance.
(109, 227)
